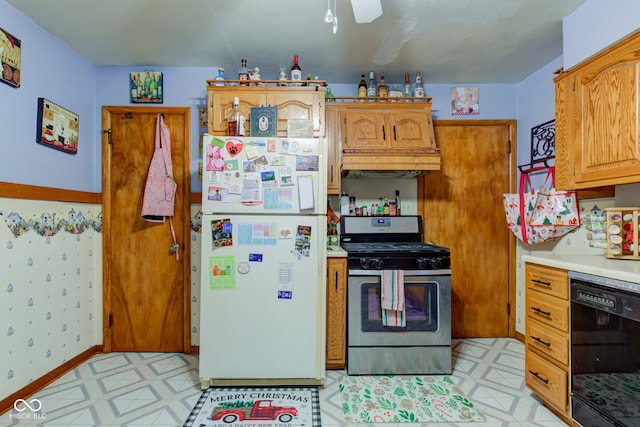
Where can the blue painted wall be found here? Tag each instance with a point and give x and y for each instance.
(51, 69)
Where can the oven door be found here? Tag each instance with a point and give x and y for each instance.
(605, 352)
(427, 313)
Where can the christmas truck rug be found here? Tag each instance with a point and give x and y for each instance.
(252, 407)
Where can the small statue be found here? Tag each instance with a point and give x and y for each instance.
(254, 75)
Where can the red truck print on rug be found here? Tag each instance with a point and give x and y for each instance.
(257, 410)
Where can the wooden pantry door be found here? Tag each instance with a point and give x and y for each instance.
(462, 208)
(146, 291)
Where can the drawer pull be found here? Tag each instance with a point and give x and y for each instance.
(541, 311)
(548, 344)
(537, 375)
(540, 282)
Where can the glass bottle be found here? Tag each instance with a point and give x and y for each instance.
(372, 89)
(419, 90)
(243, 73)
(283, 76)
(407, 87)
(362, 89)
(329, 96)
(394, 93)
(385, 207)
(383, 89)
(236, 120)
(219, 80)
(296, 71)
(398, 206)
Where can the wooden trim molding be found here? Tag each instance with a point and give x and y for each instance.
(196, 198)
(33, 192)
(40, 383)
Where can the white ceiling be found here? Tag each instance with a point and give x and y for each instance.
(448, 41)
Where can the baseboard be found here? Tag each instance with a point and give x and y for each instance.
(520, 337)
(40, 383)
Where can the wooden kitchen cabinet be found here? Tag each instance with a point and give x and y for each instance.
(336, 356)
(597, 124)
(547, 336)
(305, 103)
(372, 126)
(334, 152)
(388, 136)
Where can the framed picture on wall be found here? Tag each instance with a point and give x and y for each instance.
(57, 127)
(10, 53)
(146, 87)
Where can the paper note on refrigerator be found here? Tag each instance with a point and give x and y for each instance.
(222, 272)
(305, 192)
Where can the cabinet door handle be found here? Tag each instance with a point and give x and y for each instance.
(331, 173)
(384, 135)
(537, 375)
(548, 344)
(394, 133)
(336, 281)
(540, 282)
(539, 310)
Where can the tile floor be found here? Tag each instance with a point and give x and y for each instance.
(159, 389)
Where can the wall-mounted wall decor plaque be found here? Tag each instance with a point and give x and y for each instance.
(57, 127)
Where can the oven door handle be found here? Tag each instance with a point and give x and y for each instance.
(407, 273)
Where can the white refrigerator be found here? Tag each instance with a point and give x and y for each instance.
(262, 302)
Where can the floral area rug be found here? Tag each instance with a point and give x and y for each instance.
(404, 399)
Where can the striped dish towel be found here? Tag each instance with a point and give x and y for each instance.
(392, 290)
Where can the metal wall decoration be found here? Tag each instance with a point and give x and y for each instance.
(543, 141)
(146, 87)
(10, 59)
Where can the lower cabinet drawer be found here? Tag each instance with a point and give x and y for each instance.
(547, 381)
(548, 310)
(547, 341)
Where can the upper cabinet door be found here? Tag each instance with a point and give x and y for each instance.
(609, 107)
(410, 130)
(597, 129)
(364, 129)
(303, 103)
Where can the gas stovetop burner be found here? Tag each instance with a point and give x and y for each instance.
(377, 243)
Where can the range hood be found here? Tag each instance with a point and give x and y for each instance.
(389, 163)
(395, 174)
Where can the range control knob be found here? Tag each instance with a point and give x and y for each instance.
(433, 263)
(371, 263)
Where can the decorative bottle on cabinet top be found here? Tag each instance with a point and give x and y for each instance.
(243, 73)
(383, 89)
(372, 90)
(296, 71)
(419, 90)
(362, 89)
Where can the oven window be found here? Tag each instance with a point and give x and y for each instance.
(421, 307)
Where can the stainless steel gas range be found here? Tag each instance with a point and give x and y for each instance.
(379, 248)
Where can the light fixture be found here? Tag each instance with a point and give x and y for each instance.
(328, 17)
(331, 16)
(335, 17)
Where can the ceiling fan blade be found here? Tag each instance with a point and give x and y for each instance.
(366, 11)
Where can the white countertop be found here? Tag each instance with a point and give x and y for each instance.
(336, 252)
(598, 265)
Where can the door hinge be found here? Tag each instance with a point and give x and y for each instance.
(108, 132)
(110, 320)
(509, 309)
